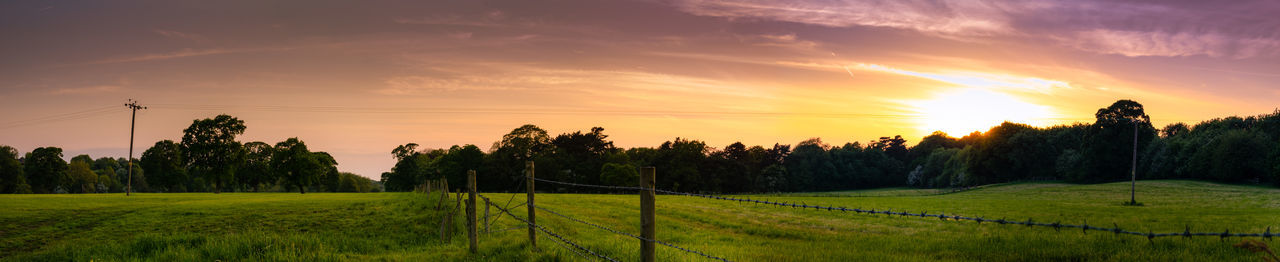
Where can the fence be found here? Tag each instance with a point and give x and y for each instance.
(647, 191)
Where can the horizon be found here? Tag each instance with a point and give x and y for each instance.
(358, 81)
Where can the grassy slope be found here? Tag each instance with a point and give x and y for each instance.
(402, 226)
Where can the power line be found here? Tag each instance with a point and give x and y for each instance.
(83, 114)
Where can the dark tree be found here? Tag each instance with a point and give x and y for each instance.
(678, 163)
(256, 169)
(936, 140)
(454, 164)
(211, 149)
(580, 156)
(295, 164)
(12, 178)
(809, 164)
(1108, 145)
(45, 169)
(166, 166)
(505, 164)
(329, 179)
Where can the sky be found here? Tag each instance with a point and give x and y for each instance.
(358, 78)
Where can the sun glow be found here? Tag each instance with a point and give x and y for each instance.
(963, 112)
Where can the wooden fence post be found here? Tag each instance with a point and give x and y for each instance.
(471, 210)
(486, 215)
(533, 235)
(646, 214)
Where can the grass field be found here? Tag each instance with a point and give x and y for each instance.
(404, 226)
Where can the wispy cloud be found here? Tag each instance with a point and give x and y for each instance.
(976, 79)
(1127, 28)
(88, 90)
(507, 77)
(1173, 44)
(181, 35)
(494, 18)
(184, 53)
(942, 17)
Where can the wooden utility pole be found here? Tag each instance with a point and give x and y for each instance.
(128, 188)
(471, 210)
(533, 235)
(646, 214)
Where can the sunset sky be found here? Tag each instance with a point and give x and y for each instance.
(357, 78)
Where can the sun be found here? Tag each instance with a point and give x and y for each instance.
(962, 112)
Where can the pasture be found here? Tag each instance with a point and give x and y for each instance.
(405, 226)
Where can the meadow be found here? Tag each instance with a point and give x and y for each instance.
(405, 226)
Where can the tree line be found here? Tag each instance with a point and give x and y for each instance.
(207, 159)
(1231, 149)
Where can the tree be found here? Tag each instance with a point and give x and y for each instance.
(82, 179)
(454, 164)
(895, 147)
(257, 166)
(408, 173)
(211, 149)
(524, 142)
(106, 168)
(1109, 142)
(678, 161)
(936, 140)
(506, 161)
(349, 182)
(292, 162)
(809, 165)
(580, 156)
(139, 178)
(45, 169)
(165, 162)
(404, 151)
(329, 179)
(12, 178)
(1239, 156)
(614, 174)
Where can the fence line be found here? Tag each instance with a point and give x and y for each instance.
(648, 238)
(552, 234)
(589, 185)
(631, 235)
(1029, 222)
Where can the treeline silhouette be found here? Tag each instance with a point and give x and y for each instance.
(207, 159)
(1232, 149)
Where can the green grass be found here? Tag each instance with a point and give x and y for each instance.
(227, 227)
(404, 226)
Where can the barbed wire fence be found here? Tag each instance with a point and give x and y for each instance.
(581, 250)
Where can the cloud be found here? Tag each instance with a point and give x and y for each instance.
(943, 17)
(1127, 28)
(1173, 44)
(976, 79)
(511, 77)
(88, 90)
(184, 53)
(181, 35)
(454, 20)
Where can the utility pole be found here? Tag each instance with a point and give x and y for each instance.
(128, 189)
(1133, 171)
